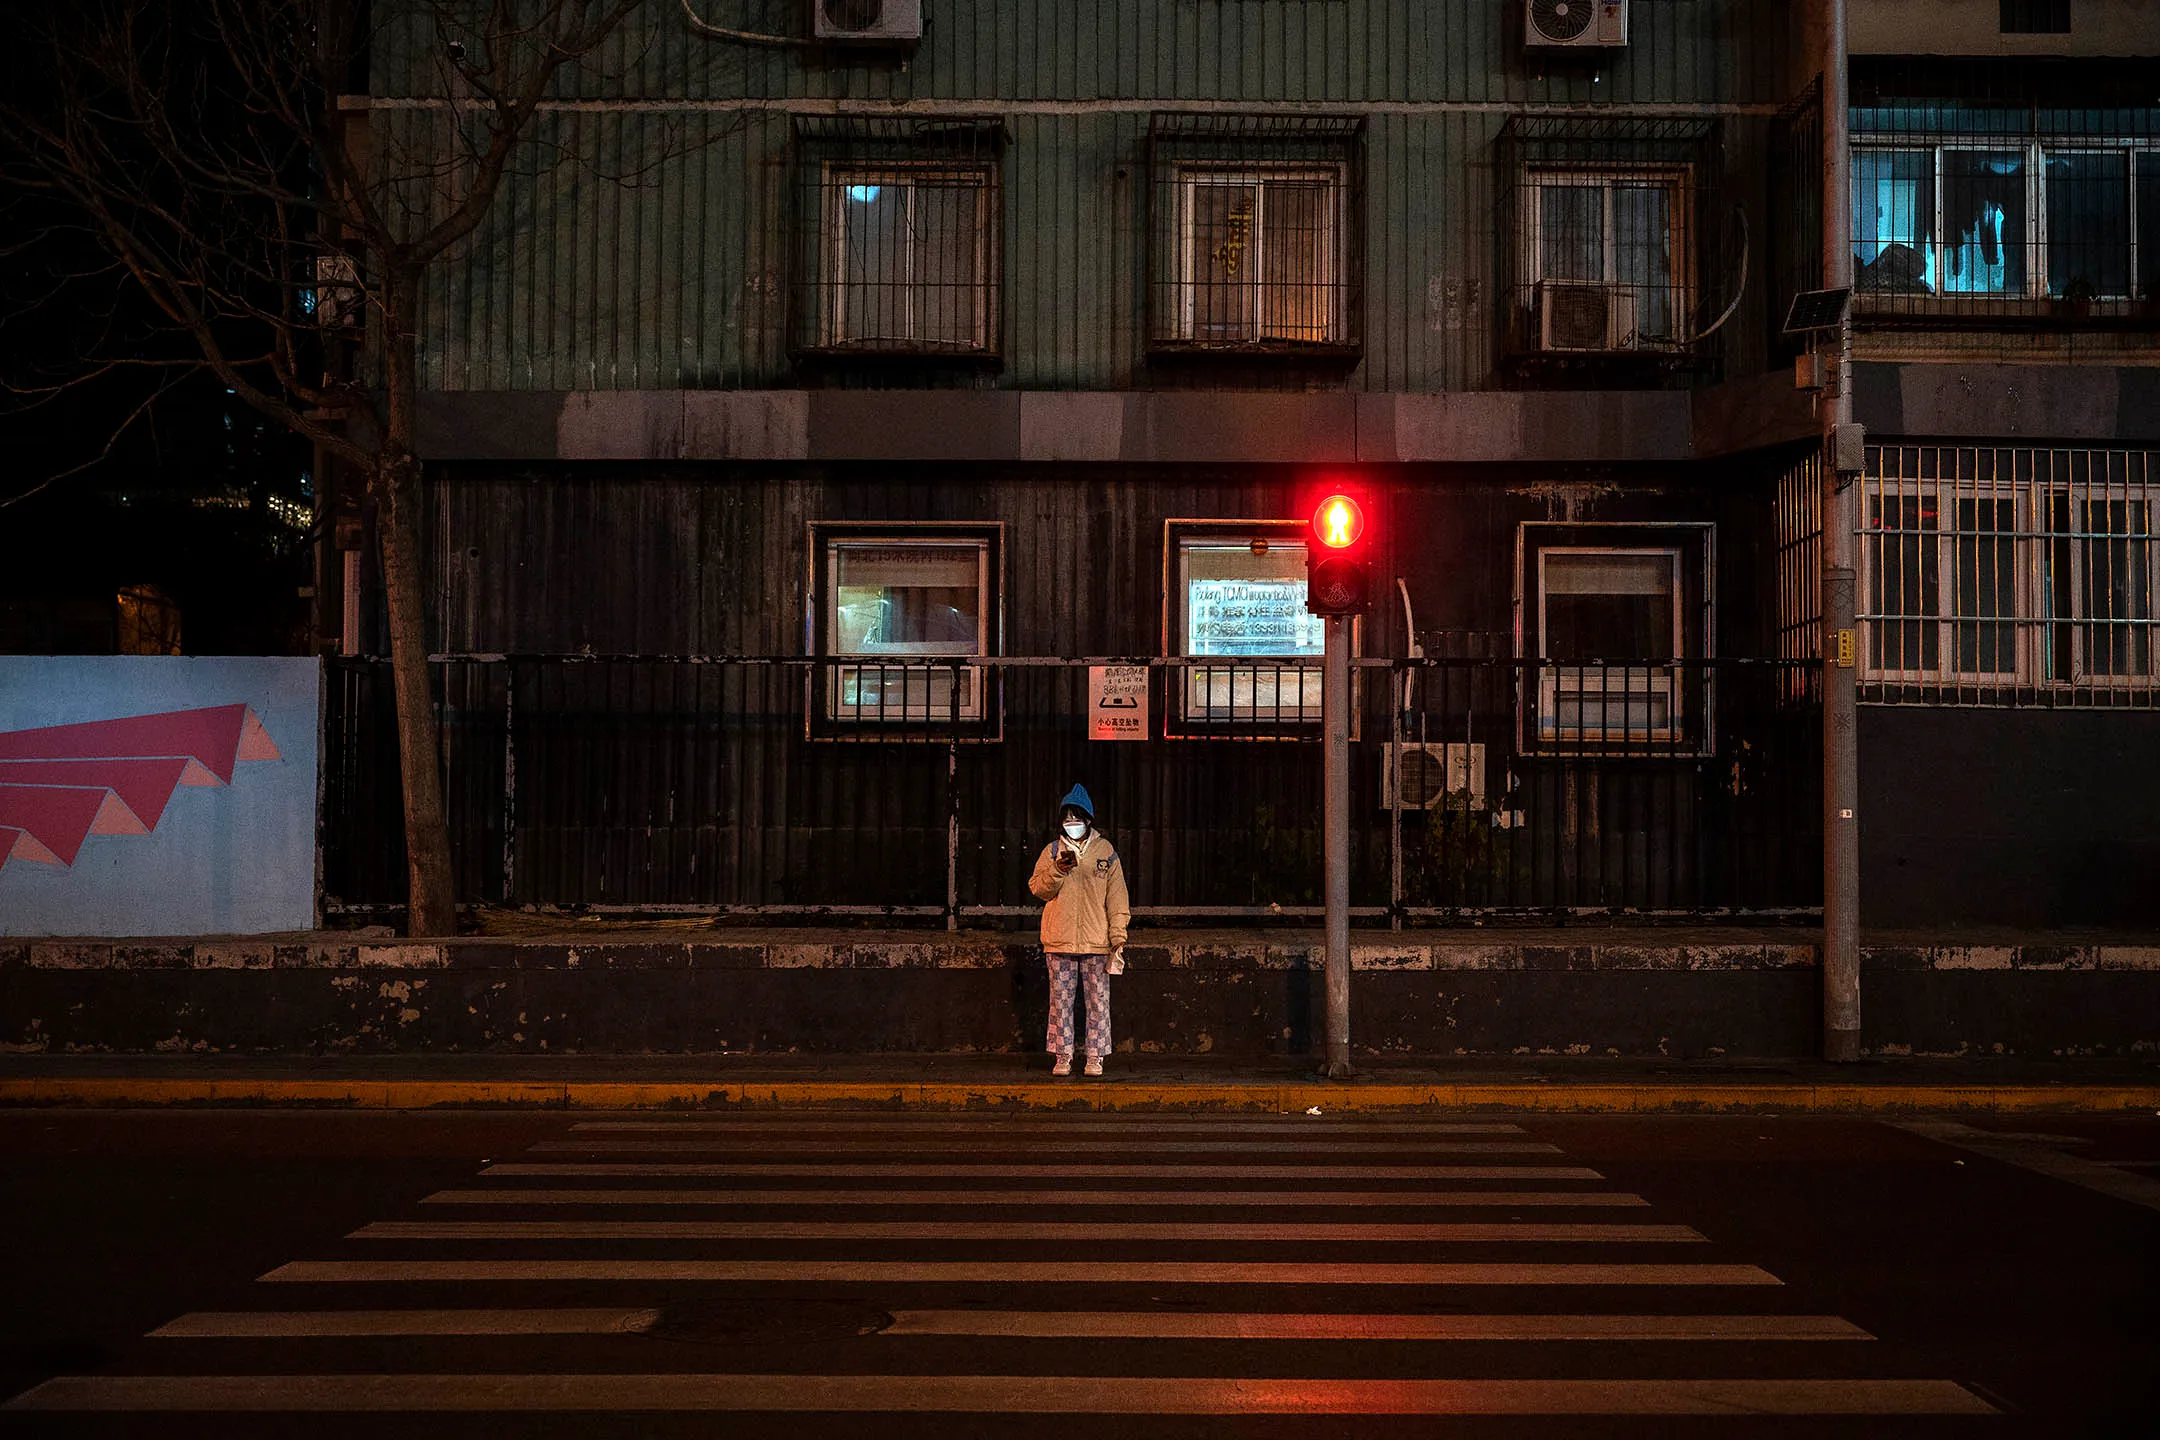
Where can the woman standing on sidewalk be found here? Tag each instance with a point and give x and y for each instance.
(1085, 915)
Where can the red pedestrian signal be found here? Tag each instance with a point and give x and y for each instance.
(1338, 577)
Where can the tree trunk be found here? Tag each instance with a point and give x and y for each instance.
(431, 898)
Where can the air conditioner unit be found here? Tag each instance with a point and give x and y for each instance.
(1585, 315)
(1575, 24)
(1427, 774)
(866, 22)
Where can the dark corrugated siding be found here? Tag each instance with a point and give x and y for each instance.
(643, 248)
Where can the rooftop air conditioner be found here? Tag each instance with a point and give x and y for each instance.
(1427, 774)
(866, 22)
(1584, 315)
(1566, 24)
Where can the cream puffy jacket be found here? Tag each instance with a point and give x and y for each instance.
(1085, 909)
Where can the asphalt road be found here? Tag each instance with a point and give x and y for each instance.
(253, 1273)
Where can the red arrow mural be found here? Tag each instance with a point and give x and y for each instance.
(61, 784)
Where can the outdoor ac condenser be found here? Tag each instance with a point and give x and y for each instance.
(1428, 774)
(1575, 24)
(1585, 315)
(866, 22)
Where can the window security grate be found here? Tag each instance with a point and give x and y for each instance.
(898, 247)
(2015, 577)
(1608, 239)
(1255, 234)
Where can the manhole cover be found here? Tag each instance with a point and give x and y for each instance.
(767, 1322)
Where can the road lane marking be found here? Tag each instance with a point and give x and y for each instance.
(309, 1324)
(1051, 1172)
(1123, 1199)
(1039, 1324)
(1121, 1147)
(1108, 1325)
(995, 1394)
(2027, 1154)
(1015, 1272)
(1078, 1124)
(1057, 1230)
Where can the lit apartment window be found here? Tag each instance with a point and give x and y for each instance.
(1236, 603)
(897, 608)
(1254, 237)
(908, 258)
(898, 249)
(1955, 207)
(1258, 255)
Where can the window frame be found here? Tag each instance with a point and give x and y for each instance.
(1691, 703)
(1677, 180)
(2052, 630)
(2138, 152)
(836, 177)
(1190, 175)
(1181, 721)
(979, 714)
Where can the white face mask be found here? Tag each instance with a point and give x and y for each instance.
(1075, 829)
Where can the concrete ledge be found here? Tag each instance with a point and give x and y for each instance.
(1110, 1094)
(1454, 950)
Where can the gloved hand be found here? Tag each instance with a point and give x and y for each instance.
(1066, 860)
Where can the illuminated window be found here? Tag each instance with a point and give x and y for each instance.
(901, 607)
(1258, 255)
(908, 259)
(1237, 602)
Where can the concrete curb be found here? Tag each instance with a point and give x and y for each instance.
(1290, 1097)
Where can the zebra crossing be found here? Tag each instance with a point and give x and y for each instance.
(841, 1265)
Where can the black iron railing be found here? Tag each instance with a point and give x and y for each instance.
(734, 786)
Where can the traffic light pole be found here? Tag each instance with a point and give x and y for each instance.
(1335, 728)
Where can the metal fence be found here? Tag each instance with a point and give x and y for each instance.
(734, 786)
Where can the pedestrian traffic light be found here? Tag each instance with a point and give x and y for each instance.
(1338, 576)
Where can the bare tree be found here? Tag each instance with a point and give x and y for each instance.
(210, 152)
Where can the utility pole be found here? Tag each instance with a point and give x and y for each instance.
(1335, 727)
(1843, 455)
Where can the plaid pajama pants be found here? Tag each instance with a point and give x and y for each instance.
(1093, 972)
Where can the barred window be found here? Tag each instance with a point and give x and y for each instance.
(898, 606)
(1968, 209)
(908, 257)
(899, 236)
(1992, 575)
(1605, 256)
(1254, 233)
(1235, 602)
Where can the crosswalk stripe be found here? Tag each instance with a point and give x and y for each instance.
(1124, 1199)
(311, 1324)
(995, 1394)
(1048, 1172)
(1049, 1230)
(1036, 1324)
(1069, 1125)
(1269, 1325)
(1124, 1147)
(1015, 1272)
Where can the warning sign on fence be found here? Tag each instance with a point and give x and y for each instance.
(1117, 702)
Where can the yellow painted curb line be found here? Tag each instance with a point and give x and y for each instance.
(1112, 1095)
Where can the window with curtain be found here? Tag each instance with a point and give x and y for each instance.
(1259, 249)
(1621, 230)
(908, 262)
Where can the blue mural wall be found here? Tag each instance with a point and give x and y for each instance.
(157, 795)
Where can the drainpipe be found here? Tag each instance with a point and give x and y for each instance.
(1842, 458)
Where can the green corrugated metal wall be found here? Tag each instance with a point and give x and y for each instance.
(642, 242)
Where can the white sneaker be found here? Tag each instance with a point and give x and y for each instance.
(1094, 1065)
(1063, 1065)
